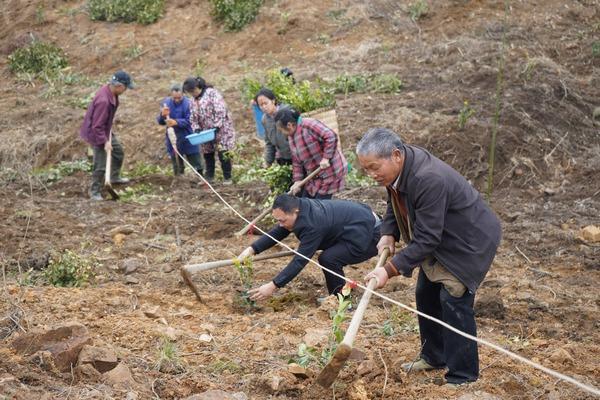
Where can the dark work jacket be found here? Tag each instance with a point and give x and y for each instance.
(320, 225)
(448, 220)
(99, 116)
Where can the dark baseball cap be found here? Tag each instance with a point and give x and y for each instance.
(123, 78)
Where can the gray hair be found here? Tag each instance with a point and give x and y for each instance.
(379, 142)
(176, 87)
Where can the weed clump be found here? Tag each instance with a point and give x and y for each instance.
(70, 270)
(38, 58)
(376, 83)
(168, 359)
(57, 172)
(141, 11)
(235, 14)
(418, 9)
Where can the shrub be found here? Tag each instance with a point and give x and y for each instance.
(235, 14)
(38, 58)
(140, 11)
(303, 96)
(70, 270)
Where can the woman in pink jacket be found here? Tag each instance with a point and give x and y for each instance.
(208, 111)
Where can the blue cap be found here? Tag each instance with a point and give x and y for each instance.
(123, 78)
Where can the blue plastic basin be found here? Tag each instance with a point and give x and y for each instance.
(201, 137)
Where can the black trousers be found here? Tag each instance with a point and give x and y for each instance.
(209, 159)
(179, 165)
(442, 347)
(339, 255)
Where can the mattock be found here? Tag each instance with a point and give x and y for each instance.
(187, 270)
(107, 183)
(344, 349)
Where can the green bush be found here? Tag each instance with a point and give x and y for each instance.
(303, 96)
(235, 14)
(140, 11)
(70, 270)
(38, 58)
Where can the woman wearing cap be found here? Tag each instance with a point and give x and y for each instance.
(208, 111)
(312, 145)
(277, 148)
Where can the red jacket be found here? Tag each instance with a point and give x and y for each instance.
(311, 142)
(98, 119)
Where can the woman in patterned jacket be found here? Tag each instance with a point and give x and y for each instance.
(208, 110)
(312, 145)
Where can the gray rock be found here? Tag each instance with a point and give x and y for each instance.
(101, 358)
(130, 265)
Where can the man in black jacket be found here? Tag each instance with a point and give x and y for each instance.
(449, 231)
(347, 232)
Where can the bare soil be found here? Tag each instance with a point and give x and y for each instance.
(546, 190)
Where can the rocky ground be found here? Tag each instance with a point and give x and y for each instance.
(144, 334)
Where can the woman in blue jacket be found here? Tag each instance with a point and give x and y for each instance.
(175, 113)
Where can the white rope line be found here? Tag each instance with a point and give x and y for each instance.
(581, 385)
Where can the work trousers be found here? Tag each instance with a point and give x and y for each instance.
(226, 166)
(179, 165)
(117, 157)
(339, 255)
(442, 347)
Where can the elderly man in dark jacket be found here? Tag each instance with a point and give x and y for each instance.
(97, 131)
(347, 232)
(449, 231)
